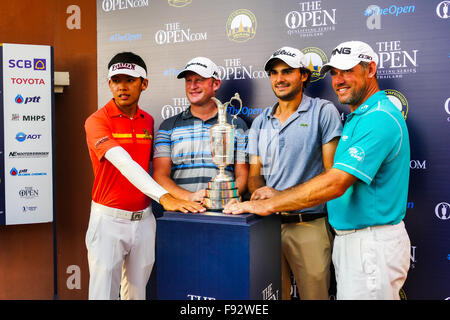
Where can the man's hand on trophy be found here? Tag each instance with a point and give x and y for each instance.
(197, 196)
(170, 203)
(258, 207)
(264, 193)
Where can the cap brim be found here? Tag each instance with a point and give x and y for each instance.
(342, 64)
(289, 63)
(199, 71)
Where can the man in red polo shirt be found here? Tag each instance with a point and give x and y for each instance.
(121, 235)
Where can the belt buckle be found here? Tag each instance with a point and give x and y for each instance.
(136, 216)
(300, 219)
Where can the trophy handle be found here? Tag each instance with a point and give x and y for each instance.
(238, 98)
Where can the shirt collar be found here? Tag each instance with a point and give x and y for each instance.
(303, 106)
(368, 104)
(187, 114)
(114, 111)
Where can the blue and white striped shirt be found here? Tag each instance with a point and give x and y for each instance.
(185, 139)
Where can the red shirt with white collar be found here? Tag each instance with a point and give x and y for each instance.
(109, 127)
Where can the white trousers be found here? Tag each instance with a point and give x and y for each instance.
(372, 263)
(121, 254)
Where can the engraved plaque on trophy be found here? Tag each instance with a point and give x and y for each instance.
(222, 188)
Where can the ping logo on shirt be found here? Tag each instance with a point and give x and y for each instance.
(357, 153)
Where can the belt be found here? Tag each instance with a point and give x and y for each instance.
(300, 217)
(122, 214)
(344, 232)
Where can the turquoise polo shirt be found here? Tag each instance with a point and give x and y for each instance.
(374, 147)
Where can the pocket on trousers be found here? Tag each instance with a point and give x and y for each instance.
(92, 232)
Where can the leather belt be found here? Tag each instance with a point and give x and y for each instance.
(300, 217)
(122, 214)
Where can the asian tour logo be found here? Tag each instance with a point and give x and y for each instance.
(310, 20)
(241, 25)
(399, 100)
(179, 3)
(357, 153)
(316, 59)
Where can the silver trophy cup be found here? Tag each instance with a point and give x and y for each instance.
(222, 188)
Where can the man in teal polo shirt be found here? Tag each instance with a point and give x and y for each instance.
(367, 185)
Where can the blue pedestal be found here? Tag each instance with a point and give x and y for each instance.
(217, 256)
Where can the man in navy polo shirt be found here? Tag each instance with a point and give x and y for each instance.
(368, 182)
(290, 143)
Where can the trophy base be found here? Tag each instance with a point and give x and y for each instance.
(219, 193)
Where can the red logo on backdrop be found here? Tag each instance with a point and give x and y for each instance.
(30, 81)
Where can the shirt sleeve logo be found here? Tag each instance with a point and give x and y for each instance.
(357, 153)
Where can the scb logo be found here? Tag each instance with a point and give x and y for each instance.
(36, 64)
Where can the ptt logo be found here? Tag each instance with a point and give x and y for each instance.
(21, 100)
(35, 64)
(21, 137)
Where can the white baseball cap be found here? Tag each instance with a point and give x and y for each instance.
(130, 69)
(348, 54)
(293, 58)
(201, 66)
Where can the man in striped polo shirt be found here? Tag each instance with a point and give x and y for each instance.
(183, 162)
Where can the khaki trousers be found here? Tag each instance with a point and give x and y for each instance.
(306, 251)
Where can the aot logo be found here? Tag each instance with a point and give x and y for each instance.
(21, 137)
(35, 64)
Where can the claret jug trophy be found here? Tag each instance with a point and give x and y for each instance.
(222, 188)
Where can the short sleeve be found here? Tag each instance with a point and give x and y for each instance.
(330, 123)
(163, 142)
(253, 136)
(98, 135)
(241, 141)
(376, 138)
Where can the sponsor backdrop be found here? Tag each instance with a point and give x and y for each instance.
(410, 37)
(26, 161)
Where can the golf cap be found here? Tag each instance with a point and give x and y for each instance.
(201, 66)
(127, 68)
(348, 54)
(291, 56)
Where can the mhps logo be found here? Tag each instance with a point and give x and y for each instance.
(316, 58)
(399, 100)
(241, 25)
(179, 3)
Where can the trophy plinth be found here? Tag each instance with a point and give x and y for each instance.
(222, 188)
